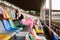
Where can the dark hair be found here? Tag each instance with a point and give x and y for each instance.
(16, 10)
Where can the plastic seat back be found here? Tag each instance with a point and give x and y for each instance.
(7, 26)
(12, 24)
(5, 15)
(31, 37)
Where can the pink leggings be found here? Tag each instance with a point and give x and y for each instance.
(29, 22)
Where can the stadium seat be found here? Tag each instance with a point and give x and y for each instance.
(4, 37)
(31, 37)
(5, 15)
(13, 25)
(7, 26)
(38, 30)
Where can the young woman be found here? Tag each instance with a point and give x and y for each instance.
(29, 21)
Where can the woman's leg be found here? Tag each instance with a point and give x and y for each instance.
(31, 26)
(30, 19)
(23, 21)
(28, 22)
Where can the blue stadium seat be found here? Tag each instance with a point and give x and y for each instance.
(7, 26)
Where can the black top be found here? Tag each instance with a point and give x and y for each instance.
(21, 17)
